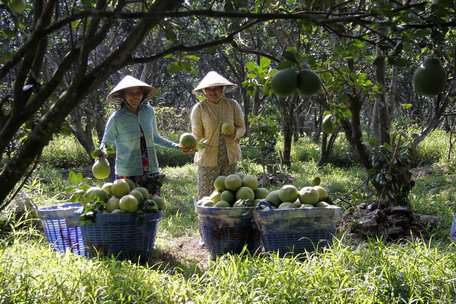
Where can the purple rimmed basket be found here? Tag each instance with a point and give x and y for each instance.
(295, 231)
(62, 227)
(123, 235)
(228, 230)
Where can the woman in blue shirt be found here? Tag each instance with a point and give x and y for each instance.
(132, 130)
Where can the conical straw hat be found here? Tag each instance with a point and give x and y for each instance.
(127, 82)
(214, 79)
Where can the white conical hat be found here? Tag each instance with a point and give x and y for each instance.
(214, 79)
(127, 82)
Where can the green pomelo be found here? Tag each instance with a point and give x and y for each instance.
(228, 196)
(120, 188)
(139, 196)
(245, 193)
(222, 204)
(187, 140)
(227, 128)
(288, 193)
(261, 193)
(322, 192)
(241, 174)
(112, 204)
(219, 183)
(143, 191)
(101, 168)
(250, 181)
(130, 183)
(308, 83)
(115, 211)
(160, 201)
(284, 82)
(215, 196)
(78, 196)
(273, 198)
(286, 205)
(429, 78)
(297, 203)
(107, 187)
(309, 195)
(94, 194)
(255, 202)
(128, 203)
(233, 182)
(202, 200)
(329, 124)
(208, 203)
(322, 204)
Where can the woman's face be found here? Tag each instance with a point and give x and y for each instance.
(133, 97)
(213, 93)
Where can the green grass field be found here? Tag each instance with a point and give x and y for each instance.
(370, 271)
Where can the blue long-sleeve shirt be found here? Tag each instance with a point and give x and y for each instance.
(123, 131)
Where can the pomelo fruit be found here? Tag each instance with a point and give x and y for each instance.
(241, 174)
(222, 204)
(228, 196)
(288, 193)
(308, 83)
(245, 193)
(322, 192)
(139, 196)
(429, 78)
(273, 198)
(128, 203)
(227, 128)
(215, 196)
(322, 204)
(261, 193)
(143, 191)
(130, 183)
(233, 182)
(187, 140)
(94, 194)
(107, 187)
(284, 82)
(297, 203)
(306, 206)
(112, 204)
(208, 203)
(115, 211)
(219, 183)
(159, 200)
(309, 195)
(101, 168)
(286, 205)
(329, 124)
(250, 181)
(120, 188)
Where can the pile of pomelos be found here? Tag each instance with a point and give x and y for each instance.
(119, 196)
(290, 197)
(234, 190)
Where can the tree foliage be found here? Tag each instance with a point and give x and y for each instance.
(58, 58)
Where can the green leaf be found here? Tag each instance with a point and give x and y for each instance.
(316, 181)
(289, 56)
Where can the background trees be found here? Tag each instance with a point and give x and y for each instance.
(59, 59)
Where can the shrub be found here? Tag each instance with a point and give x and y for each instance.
(65, 151)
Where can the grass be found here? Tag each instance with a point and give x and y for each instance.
(371, 271)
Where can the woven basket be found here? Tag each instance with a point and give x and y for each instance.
(294, 231)
(61, 226)
(123, 235)
(228, 230)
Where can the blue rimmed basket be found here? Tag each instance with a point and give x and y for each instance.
(295, 231)
(228, 230)
(123, 235)
(62, 227)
